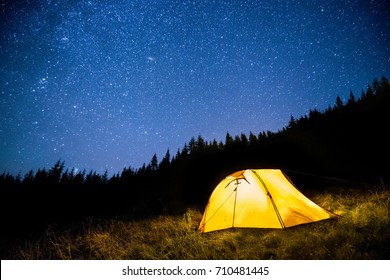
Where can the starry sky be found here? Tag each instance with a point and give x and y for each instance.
(104, 85)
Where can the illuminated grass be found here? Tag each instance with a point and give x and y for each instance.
(363, 232)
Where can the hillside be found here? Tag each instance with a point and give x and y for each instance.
(362, 232)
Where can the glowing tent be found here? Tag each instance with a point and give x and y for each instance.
(262, 198)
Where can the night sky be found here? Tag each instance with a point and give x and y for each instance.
(104, 85)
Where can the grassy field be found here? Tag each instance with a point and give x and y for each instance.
(362, 232)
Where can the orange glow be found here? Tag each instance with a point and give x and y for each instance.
(262, 198)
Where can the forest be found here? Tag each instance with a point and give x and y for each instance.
(347, 142)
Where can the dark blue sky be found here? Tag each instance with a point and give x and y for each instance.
(106, 84)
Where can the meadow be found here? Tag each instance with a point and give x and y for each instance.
(361, 232)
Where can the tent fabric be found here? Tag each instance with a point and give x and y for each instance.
(259, 198)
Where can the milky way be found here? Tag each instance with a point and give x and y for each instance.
(106, 84)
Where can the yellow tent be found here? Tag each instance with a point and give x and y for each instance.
(262, 198)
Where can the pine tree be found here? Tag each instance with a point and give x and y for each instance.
(252, 139)
(375, 86)
(56, 171)
(228, 140)
(244, 139)
(28, 178)
(200, 143)
(351, 99)
(339, 102)
(369, 92)
(192, 145)
(154, 163)
(104, 178)
(166, 160)
(292, 122)
(384, 82)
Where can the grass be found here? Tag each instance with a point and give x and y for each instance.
(362, 232)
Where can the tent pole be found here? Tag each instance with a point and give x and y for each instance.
(272, 200)
(235, 201)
